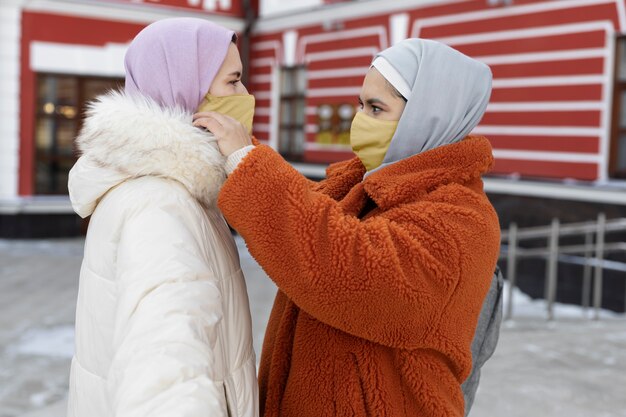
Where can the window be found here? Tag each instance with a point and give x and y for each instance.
(333, 124)
(60, 106)
(292, 112)
(617, 164)
(499, 2)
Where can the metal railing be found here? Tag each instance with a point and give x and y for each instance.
(590, 255)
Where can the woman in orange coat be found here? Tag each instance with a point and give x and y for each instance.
(382, 268)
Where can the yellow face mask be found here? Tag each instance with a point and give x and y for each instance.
(238, 106)
(370, 138)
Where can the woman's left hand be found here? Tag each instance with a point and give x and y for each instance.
(231, 135)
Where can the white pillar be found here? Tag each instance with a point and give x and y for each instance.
(275, 108)
(10, 34)
(290, 41)
(399, 24)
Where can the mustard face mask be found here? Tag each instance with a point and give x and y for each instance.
(370, 139)
(238, 106)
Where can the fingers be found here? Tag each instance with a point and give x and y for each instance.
(221, 118)
(201, 114)
(230, 134)
(217, 123)
(210, 124)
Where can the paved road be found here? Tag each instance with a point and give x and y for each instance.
(571, 368)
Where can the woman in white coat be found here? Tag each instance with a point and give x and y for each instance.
(163, 323)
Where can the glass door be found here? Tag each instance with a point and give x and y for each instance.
(61, 101)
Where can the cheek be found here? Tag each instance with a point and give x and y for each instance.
(399, 110)
(220, 89)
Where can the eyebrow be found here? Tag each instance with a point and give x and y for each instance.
(373, 101)
(236, 74)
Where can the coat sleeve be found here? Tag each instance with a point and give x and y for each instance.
(386, 279)
(166, 318)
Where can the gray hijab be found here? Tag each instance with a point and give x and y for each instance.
(448, 96)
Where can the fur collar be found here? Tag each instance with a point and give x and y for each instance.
(461, 162)
(133, 137)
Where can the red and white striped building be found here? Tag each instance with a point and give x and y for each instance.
(557, 117)
(557, 106)
(69, 42)
(54, 56)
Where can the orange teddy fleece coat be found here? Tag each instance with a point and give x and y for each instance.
(381, 280)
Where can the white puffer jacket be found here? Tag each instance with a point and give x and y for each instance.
(163, 324)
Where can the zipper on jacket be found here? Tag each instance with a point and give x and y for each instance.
(221, 342)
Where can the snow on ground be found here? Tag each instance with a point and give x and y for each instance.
(38, 287)
(526, 307)
(55, 342)
(569, 367)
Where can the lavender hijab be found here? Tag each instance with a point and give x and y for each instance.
(174, 61)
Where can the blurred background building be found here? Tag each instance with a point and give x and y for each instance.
(557, 117)
(55, 55)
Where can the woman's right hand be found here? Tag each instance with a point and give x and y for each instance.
(231, 135)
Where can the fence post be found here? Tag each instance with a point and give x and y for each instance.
(587, 273)
(597, 289)
(551, 268)
(511, 268)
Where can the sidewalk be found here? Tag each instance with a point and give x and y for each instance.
(568, 368)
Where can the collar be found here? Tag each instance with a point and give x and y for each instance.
(461, 162)
(126, 137)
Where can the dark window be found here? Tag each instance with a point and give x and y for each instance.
(292, 112)
(500, 2)
(617, 166)
(61, 103)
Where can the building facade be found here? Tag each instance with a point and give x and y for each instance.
(557, 117)
(54, 57)
(557, 110)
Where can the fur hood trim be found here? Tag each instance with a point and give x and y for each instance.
(134, 137)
